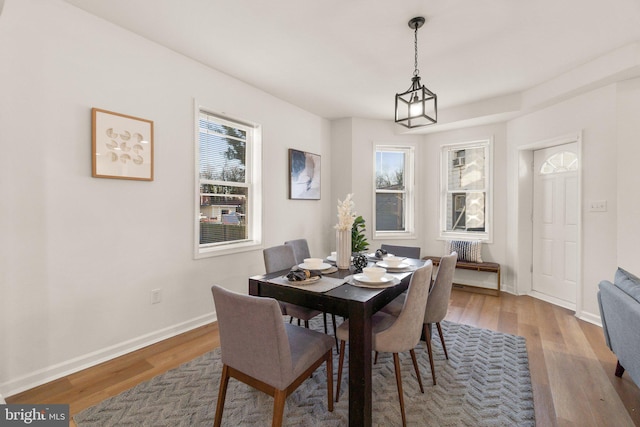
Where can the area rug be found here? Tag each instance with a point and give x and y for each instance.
(485, 382)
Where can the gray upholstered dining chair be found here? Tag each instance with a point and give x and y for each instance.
(282, 257)
(300, 249)
(396, 334)
(437, 305)
(402, 251)
(265, 353)
(300, 252)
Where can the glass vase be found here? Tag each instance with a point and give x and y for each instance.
(343, 249)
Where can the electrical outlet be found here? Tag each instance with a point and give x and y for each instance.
(156, 296)
(598, 206)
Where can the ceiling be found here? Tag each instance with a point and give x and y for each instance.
(348, 58)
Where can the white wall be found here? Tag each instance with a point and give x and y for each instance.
(493, 251)
(628, 177)
(606, 120)
(353, 145)
(341, 171)
(79, 255)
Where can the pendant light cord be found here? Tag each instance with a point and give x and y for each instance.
(415, 44)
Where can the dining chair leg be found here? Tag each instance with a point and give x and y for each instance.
(335, 334)
(290, 319)
(279, 398)
(340, 363)
(375, 359)
(306, 324)
(222, 393)
(415, 366)
(444, 347)
(330, 381)
(396, 362)
(427, 338)
(324, 318)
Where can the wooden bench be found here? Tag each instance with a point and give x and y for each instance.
(491, 267)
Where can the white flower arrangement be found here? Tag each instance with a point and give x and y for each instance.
(346, 214)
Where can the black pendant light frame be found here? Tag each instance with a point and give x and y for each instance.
(418, 106)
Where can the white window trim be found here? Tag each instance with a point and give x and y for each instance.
(254, 176)
(409, 180)
(487, 235)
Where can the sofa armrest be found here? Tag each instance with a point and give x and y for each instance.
(605, 330)
(620, 315)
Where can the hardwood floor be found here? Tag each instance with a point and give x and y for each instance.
(572, 370)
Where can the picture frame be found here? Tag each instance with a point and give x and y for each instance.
(122, 146)
(304, 175)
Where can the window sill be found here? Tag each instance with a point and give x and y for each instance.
(380, 235)
(222, 250)
(483, 237)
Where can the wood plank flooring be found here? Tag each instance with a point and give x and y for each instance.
(571, 367)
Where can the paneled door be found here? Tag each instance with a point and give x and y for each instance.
(555, 224)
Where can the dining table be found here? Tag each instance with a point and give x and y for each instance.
(343, 297)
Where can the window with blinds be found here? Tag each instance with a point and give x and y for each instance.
(225, 180)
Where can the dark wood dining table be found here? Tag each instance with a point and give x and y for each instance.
(352, 302)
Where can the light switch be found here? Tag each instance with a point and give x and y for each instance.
(598, 206)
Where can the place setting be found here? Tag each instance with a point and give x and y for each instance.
(394, 264)
(310, 271)
(317, 264)
(373, 277)
(379, 254)
(310, 275)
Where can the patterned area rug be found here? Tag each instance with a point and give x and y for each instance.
(485, 382)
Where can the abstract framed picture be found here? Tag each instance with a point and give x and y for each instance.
(122, 146)
(304, 175)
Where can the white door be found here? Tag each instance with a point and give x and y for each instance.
(555, 224)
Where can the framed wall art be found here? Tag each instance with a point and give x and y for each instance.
(304, 175)
(122, 146)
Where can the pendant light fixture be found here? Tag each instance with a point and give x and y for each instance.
(418, 106)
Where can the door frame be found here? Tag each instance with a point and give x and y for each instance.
(524, 266)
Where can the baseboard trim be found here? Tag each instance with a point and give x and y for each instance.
(583, 315)
(477, 289)
(54, 372)
(553, 300)
(590, 317)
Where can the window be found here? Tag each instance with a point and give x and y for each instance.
(228, 176)
(393, 191)
(564, 161)
(465, 205)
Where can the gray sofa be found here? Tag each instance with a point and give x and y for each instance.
(620, 313)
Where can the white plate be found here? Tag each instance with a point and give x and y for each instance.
(382, 281)
(304, 282)
(400, 266)
(323, 266)
(378, 285)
